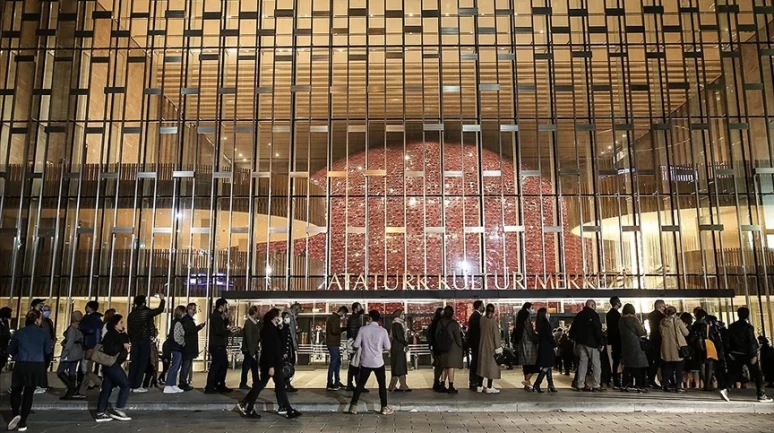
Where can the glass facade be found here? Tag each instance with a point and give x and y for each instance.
(193, 147)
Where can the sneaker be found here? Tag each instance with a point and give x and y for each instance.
(763, 398)
(39, 390)
(22, 427)
(491, 390)
(479, 389)
(332, 387)
(599, 389)
(244, 386)
(340, 385)
(103, 417)
(186, 387)
(242, 409)
(282, 410)
(724, 394)
(292, 413)
(172, 390)
(120, 415)
(387, 411)
(352, 409)
(351, 388)
(14, 423)
(139, 390)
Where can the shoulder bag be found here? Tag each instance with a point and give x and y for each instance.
(684, 351)
(101, 358)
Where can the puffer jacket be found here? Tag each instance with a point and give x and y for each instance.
(140, 324)
(741, 339)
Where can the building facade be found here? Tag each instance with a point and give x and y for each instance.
(295, 149)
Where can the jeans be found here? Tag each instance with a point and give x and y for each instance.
(616, 353)
(87, 368)
(140, 359)
(334, 365)
(672, 374)
(473, 378)
(365, 373)
(185, 370)
(588, 355)
(735, 366)
(21, 398)
(111, 377)
(216, 377)
(174, 368)
(279, 389)
(249, 364)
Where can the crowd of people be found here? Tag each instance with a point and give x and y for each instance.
(681, 351)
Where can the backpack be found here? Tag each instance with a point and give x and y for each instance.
(443, 339)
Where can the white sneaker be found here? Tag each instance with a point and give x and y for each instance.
(39, 390)
(14, 422)
(139, 390)
(724, 394)
(171, 389)
(103, 417)
(480, 389)
(178, 389)
(492, 390)
(120, 415)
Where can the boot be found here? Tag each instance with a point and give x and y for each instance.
(538, 382)
(551, 387)
(70, 386)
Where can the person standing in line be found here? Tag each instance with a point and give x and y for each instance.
(634, 358)
(525, 339)
(115, 343)
(271, 367)
(5, 335)
(742, 350)
(175, 344)
(110, 312)
(489, 346)
(448, 341)
(251, 340)
(614, 338)
(673, 332)
(191, 345)
(355, 322)
(72, 354)
(373, 341)
(566, 353)
(47, 324)
(91, 327)
(219, 333)
(293, 311)
(707, 346)
(333, 330)
(546, 354)
(586, 331)
(288, 350)
(439, 377)
(141, 328)
(398, 349)
(654, 354)
(473, 337)
(767, 361)
(30, 347)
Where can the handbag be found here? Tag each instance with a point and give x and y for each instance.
(684, 351)
(712, 351)
(288, 370)
(102, 358)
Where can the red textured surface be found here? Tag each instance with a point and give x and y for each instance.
(416, 252)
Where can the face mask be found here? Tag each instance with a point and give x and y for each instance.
(287, 320)
(46, 314)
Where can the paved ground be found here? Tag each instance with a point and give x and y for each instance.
(406, 422)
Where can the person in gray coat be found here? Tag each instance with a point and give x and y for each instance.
(72, 354)
(635, 360)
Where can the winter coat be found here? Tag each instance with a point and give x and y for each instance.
(72, 350)
(191, 336)
(398, 364)
(741, 339)
(654, 319)
(452, 358)
(91, 327)
(113, 345)
(271, 348)
(251, 337)
(613, 330)
(631, 332)
(139, 324)
(333, 330)
(489, 342)
(586, 328)
(474, 330)
(218, 330)
(546, 343)
(673, 332)
(528, 345)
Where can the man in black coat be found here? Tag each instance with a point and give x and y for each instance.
(141, 328)
(474, 338)
(355, 322)
(586, 331)
(219, 333)
(742, 350)
(191, 344)
(654, 354)
(614, 338)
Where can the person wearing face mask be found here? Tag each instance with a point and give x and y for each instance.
(586, 331)
(72, 354)
(488, 348)
(355, 322)
(271, 364)
(47, 324)
(612, 319)
(525, 340)
(333, 331)
(398, 363)
(288, 349)
(191, 345)
(219, 333)
(251, 340)
(654, 353)
(546, 357)
(742, 349)
(473, 338)
(29, 347)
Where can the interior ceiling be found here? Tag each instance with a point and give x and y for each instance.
(348, 74)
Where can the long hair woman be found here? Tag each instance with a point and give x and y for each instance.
(489, 346)
(30, 348)
(451, 359)
(114, 343)
(635, 360)
(546, 358)
(438, 374)
(398, 349)
(525, 340)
